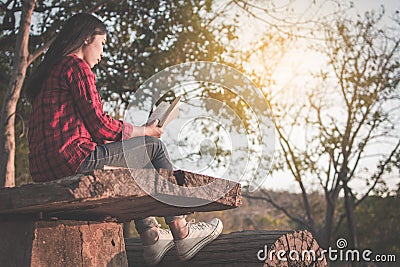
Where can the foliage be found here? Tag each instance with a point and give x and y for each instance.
(378, 225)
(148, 36)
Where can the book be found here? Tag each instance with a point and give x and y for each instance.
(165, 112)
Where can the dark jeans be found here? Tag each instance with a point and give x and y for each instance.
(136, 153)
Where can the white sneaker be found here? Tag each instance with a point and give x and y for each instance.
(200, 234)
(153, 254)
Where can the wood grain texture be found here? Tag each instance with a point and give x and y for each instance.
(62, 243)
(298, 249)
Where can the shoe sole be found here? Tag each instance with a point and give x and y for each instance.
(206, 240)
(160, 255)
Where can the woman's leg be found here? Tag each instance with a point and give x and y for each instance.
(138, 152)
(150, 152)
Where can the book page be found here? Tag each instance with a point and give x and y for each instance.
(165, 112)
(158, 113)
(173, 113)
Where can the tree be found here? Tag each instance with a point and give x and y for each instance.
(20, 64)
(374, 211)
(350, 110)
(148, 36)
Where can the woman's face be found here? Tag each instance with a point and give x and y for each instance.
(93, 52)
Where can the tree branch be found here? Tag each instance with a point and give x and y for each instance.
(268, 198)
(33, 56)
(378, 175)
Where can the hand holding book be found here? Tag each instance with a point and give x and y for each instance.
(165, 112)
(152, 129)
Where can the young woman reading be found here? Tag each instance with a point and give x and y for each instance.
(69, 133)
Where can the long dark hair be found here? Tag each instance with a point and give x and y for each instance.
(72, 36)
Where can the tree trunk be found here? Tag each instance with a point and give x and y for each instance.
(349, 206)
(326, 231)
(20, 64)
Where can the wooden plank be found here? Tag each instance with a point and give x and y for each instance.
(237, 249)
(122, 194)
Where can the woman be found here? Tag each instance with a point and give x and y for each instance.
(69, 133)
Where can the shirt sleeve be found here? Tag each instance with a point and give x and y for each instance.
(87, 100)
(127, 130)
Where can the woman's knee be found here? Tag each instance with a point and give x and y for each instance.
(140, 141)
(142, 144)
(153, 141)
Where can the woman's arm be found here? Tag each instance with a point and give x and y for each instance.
(88, 102)
(151, 130)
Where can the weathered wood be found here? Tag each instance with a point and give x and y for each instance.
(61, 243)
(234, 249)
(297, 249)
(122, 194)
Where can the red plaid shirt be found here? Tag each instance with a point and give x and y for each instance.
(67, 121)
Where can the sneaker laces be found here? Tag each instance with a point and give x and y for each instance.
(199, 226)
(162, 231)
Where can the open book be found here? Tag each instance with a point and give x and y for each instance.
(165, 112)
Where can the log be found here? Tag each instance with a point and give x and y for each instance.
(119, 195)
(246, 248)
(61, 243)
(296, 249)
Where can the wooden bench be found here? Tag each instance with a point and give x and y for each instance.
(75, 221)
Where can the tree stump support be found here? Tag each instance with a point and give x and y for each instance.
(62, 243)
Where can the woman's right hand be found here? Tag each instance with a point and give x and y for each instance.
(152, 129)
